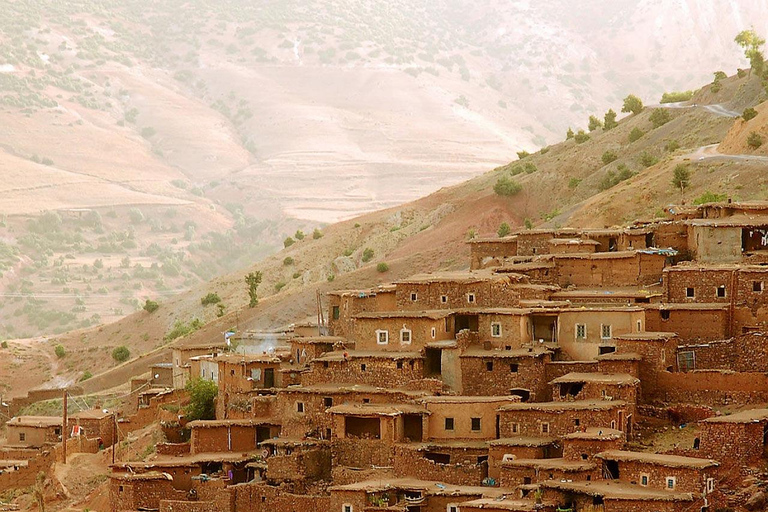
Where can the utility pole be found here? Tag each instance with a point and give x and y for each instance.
(64, 429)
(114, 436)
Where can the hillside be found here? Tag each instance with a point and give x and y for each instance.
(223, 125)
(570, 185)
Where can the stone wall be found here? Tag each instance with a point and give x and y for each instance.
(259, 497)
(505, 373)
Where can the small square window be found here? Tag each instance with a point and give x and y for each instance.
(328, 401)
(414, 297)
(444, 299)
(347, 508)
(665, 314)
(399, 365)
(231, 372)
(299, 406)
(496, 330)
(671, 482)
(452, 508)
(448, 423)
(471, 298)
(513, 367)
(489, 366)
(576, 421)
(120, 488)
(434, 333)
(363, 367)
(690, 293)
(757, 286)
(366, 400)
(382, 337)
(721, 291)
(515, 428)
(545, 428)
(475, 424)
(581, 331)
(405, 336)
(644, 480)
(606, 331)
(639, 326)
(335, 312)
(710, 485)
(22, 436)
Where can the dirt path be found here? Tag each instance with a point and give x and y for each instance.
(711, 152)
(716, 109)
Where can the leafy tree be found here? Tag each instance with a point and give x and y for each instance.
(660, 117)
(121, 354)
(367, 255)
(151, 306)
(609, 121)
(202, 394)
(299, 235)
(279, 286)
(709, 197)
(636, 134)
(382, 267)
(210, 298)
(749, 113)
(317, 234)
(647, 159)
(751, 43)
(288, 242)
(676, 97)
(594, 123)
(608, 157)
(506, 186)
(755, 140)
(720, 75)
(504, 230)
(632, 104)
(681, 177)
(569, 134)
(581, 137)
(59, 351)
(253, 280)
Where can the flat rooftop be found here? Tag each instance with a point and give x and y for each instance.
(427, 487)
(568, 466)
(616, 490)
(576, 405)
(596, 434)
(35, 421)
(618, 379)
(361, 354)
(658, 459)
(748, 416)
(377, 409)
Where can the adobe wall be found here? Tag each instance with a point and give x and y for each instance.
(561, 422)
(188, 506)
(635, 270)
(705, 284)
(716, 244)
(141, 494)
(413, 464)
(576, 449)
(379, 372)
(462, 414)
(514, 475)
(496, 455)
(490, 253)
(304, 463)
(33, 437)
(688, 479)
(713, 388)
(361, 452)
(530, 374)
(259, 497)
(25, 476)
(584, 349)
(365, 337)
(218, 438)
(240, 406)
(735, 445)
(745, 353)
(515, 330)
(599, 391)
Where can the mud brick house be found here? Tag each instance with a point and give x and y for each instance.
(451, 462)
(230, 435)
(497, 372)
(400, 330)
(240, 373)
(586, 332)
(507, 505)
(597, 386)
(601, 296)
(344, 304)
(95, 424)
(521, 447)
(463, 417)
(142, 491)
(204, 367)
(373, 368)
(296, 460)
(557, 419)
(181, 360)
(738, 439)
(612, 496)
(586, 443)
(729, 239)
(305, 349)
(34, 431)
(491, 252)
(519, 472)
(657, 351)
(161, 375)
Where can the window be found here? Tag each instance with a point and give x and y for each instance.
(613, 424)
(515, 428)
(22, 436)
(366, 400)
(475, 424)
(710, 485)
(382, 337)
(347, 508)
(447, 324)
(671, 482)
(496, 330)
(665, 314)
(545, 428)
(444, 299)
(721, 292)
(448, 423)
(363, 367)
(231, 372)
(644, 480)
(405, 336)
(120, 489)
(57, 431)
(489, 366)
(576, 421)
(335, 312)
(328, 401)
(256, 374)
(757, 286)
(639, 326)
(471, 298)
(606, 331)
(414, 297)
(581, 331)
(434, 333)
(512, 367)
(452, 508)
(299, 406)
(690, 293)
(399, 365)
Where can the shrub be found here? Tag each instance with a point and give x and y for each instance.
(135, 215)
(151, 306)
(749, 113)
(317, 234)
(59, 351)
(4, 344)
(672, 145)
(202, 394)
(715, 87)
(46, 161)
(522, 154)
(613, 178)
(528, 223)
(210, 298)
(288, 242)
(121, 354)
(709, 197)
(279, 286)
(647, 159)
(331, 277)
(581, 137)
(148, 132)
(635, 134)
(299, 235)
(720, 75)
(573, 183)
(288, 261)
(544, 150)
(681, 176)
(632, 104)
(608, 157)
(594, 123)
(86, 375)
(754, 140)
(676, 97)
(253, 280)
(506, 186)
(504, 230)
(382, 267)
(367, 255)
(569, 134)
(609, 121)
(471, 234)
(660, 117)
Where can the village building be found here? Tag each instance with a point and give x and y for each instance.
(34, 431)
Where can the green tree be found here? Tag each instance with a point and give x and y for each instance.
(709, 197)
(581, 137)
(569, 134)
(506, 186)
(681, 177)
(148, 132)
(59, 351)
(367, 255)
(528, 223)
(594, 123)
(751, 44)
(317, 234)
(608, 157)
(288, 242)
(151, 306)
(382, 267)
(253, 280)
(754, 140)
(660, 117)
(647, 159)
(672, 145)
(573, 183)
(202, 394)
(121, 354)
(749, 113)
(504, 230)
(632, 104)
(210, 298)
(299, 235)
(635, 134)
(522, 154)
(609, 121)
